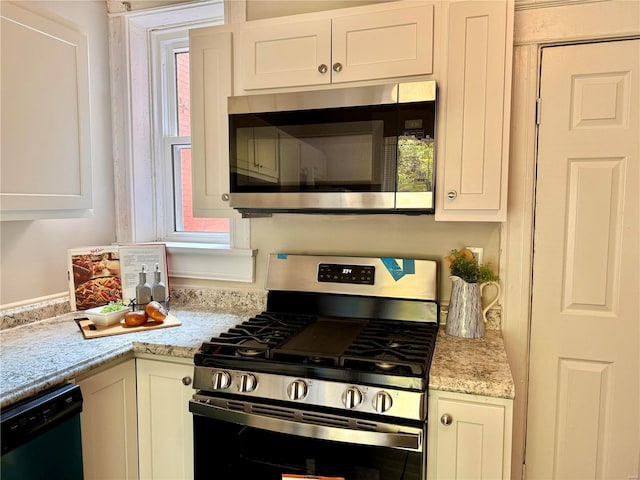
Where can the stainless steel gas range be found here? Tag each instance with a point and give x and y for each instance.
(331, 380)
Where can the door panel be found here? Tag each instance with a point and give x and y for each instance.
(287, 55)
(393, 43)
(584, 400)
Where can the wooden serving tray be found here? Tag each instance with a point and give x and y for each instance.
(119, 328)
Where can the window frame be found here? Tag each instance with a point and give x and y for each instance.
(165, 44)
(141, 211)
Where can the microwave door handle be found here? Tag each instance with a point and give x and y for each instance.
(405, 441)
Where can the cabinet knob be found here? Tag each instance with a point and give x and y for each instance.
(322, 68)
(225, 197)
(446, 419)
(451, 194)
(186, 380)
(337, 67)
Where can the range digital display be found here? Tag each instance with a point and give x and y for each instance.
(336, 273)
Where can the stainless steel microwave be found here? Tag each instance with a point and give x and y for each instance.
(351, 150)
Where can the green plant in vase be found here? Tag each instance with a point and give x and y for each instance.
(463, 264)
(466, 316)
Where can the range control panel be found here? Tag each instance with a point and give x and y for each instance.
(336, 273)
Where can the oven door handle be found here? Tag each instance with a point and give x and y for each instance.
(410, 440)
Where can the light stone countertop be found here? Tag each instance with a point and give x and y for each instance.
(475, 366)
(36, 356)
(48, 352)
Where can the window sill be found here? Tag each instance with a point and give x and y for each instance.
(211, 262)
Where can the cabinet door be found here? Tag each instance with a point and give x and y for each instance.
(109, 427)
(46, 143)
(288, 55)
(469, 437)
(165, 425)
(392, 43)
(211, 84)
(473, 165)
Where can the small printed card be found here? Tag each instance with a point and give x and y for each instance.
(102, 274)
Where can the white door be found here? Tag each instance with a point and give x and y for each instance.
(584, 403)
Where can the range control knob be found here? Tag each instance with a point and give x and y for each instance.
(297, 390)
(247, 383)
(221, 380)
(382, 401)
(352, 397)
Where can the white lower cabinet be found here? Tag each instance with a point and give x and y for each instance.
(108, 419)
(469, 436)
(165, 426)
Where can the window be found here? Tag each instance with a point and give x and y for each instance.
(151, 129)
(172, 156)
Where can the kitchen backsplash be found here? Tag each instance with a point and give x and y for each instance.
(239, 302)
(14, 317)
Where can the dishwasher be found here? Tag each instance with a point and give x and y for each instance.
(41, 436)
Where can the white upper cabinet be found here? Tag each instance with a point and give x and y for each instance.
(465, 45)
(211, 84)
(396, 41)
(292, 54)
(474, 153)
(45, 162)
(393, 43)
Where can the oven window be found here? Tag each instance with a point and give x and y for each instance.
(227, 450)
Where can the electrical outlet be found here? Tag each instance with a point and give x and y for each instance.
(477, 253)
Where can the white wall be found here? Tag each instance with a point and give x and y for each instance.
(33, 253)
(376, 235)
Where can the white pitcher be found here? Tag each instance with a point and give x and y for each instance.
(466, 317)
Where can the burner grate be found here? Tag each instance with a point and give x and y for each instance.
(397, 348)
(253, 338)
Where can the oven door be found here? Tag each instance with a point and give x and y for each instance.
(243, 440)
